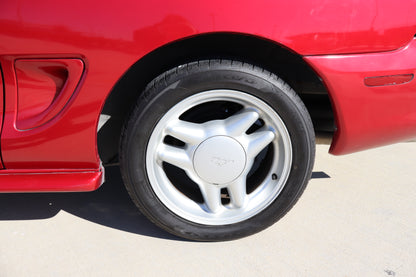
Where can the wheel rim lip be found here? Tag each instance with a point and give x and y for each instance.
(259, 199)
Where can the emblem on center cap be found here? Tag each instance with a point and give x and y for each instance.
(220, 161)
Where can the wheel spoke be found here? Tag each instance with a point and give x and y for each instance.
(237, 191)
(186, 131)
(212, 197)
(174, 156)
(258, 141)
(239, 123)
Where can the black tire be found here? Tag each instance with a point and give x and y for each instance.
(183, 82)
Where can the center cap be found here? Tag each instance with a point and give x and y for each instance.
(219, 160)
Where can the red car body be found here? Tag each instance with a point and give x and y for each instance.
(62, 62)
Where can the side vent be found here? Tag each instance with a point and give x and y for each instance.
(44, 87)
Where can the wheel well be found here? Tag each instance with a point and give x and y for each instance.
(264, 53)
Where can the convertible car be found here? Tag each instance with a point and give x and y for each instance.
(211, 109)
